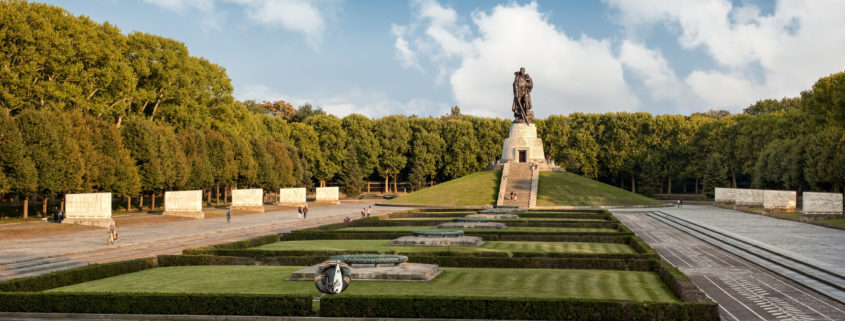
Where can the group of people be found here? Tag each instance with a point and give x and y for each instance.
(303, 211)
(58, 214)
(365, 211)
(514, 196)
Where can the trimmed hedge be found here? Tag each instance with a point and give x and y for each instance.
(679, 283)
(193, 260)
(514, 223)
(77, 275)
(156, 303)
(500, 235)
(640, 246)
(248, 243)
(512, 308)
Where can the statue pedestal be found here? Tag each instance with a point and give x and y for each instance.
(522, 145)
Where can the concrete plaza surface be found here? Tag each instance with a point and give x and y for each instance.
(30, 248)
(798, 240)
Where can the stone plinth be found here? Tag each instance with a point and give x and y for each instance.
(399, 272)
(472, 225)
(779, 201)
(821, 205)
(184, 203)
(328, 194)
(292, 196)
(749, 197)
(437, 241)
(523, 139)
(495, 216)
(88, 209)
(725, 195)
(248, 199)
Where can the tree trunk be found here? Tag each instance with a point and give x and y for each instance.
(696, 185)
(386, 186)
(669, 189)
(733, 179)
(218, 194)
(141, 202)
(26, 207)
(208, 196)
(128, 203)
(44, 206)
(684, 186)
(633, 185)
(395, 187)
(225, 195)
(153, 202)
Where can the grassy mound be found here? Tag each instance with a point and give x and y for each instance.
(476, 189)
(567, 189)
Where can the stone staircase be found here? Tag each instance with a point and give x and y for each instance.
(519, 180)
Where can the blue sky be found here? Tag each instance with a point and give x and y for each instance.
(424, 56)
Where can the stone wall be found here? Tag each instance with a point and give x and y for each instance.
(292, 196)
(749, 197)
(725, 195)
(523, 137)
(248, 199)
(184, 203)
(88, 209)
(779, 200)
(328, 194)
(822, 203)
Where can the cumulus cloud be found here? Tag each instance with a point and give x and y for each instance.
(569, 74)
(758, 55)
(406, 56)
(371, 103)
(652, 68)
(301, 16)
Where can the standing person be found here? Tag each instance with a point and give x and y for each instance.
(61, 215)
(679, 203)
(55, 214)
(305, 212)
(363, 211)
(368, 210)
(299, 210)
(228, 214)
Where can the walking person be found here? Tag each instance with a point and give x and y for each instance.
(228, 214)
(305, 212)
(55, 214)
(363, 211)
(368, 210)
(299, 210)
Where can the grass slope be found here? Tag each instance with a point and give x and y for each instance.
(380, 246)
(545, 230)
(476, 189)
(567, 189)
(470, 282)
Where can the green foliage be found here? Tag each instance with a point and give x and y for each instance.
(460, 155)
(331, 142)
(55, 154)
(158, 154)
(359, 131)
(17, 171)
(351, 177)
(511, 308)
(715, 173)
(74, 276)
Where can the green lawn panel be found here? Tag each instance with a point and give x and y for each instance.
(380, 246)
(567, 189)
(470, 230)
(476, 189)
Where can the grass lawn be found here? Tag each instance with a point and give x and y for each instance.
(833, 221)
(516, 283)
(790, 215)
(532, 219)
(567, 189)
(476, 189)
(469, 230)
(380, 246)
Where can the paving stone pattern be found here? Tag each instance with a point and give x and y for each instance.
(744, 291)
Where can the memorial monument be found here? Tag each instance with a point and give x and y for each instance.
(522, 144)
(88, 209)
(248, 199)
(184, 203)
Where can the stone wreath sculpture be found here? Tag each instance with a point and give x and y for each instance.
(354, 259)
(471, 219)
(438, 233)
(332, 277)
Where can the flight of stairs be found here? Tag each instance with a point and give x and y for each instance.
(519, 181)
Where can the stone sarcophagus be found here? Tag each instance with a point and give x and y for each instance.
(88, 209)
(749, 197)
(248, 199)
(184, 203)
(821, 205)
(779, 201)
(328, 194)
(292, 196)
(725, 195)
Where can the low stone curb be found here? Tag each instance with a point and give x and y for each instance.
(606, 207)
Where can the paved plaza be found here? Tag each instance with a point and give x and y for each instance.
(744, 290)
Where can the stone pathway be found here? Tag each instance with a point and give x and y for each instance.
(744, 290)
(519, 181)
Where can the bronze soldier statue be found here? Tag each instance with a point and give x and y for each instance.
(522, 85)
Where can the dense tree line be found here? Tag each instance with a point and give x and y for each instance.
(85, 108)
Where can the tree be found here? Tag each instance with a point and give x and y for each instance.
(427, 151)
(306, 142)
(53, 151)
(282, 171)
(351, 178)
(157, 153)
(279, 108)
(393, 134)
(197, 155)
(359, 133)
(19, 174)
(305, 111)
(715, 173)
(331, 141)
(222, 159)
(461, 149)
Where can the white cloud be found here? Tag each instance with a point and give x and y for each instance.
(407, 58)
(301, 16)
(366, 102)
(569, 74)
(758, 55)
(654, 71)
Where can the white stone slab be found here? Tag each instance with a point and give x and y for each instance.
(749, 197)
(779, 200)
(294, 195)
(523, 137)
(183, 201)
(88, 205)
(822, 203)
(725, 195)
(248, 197)
(328, 193)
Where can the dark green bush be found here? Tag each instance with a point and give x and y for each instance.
(512, 308)
(501, 235)
(190, 260)
(156, 303)
(679, 283)
(77, 275)
(248, 243)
